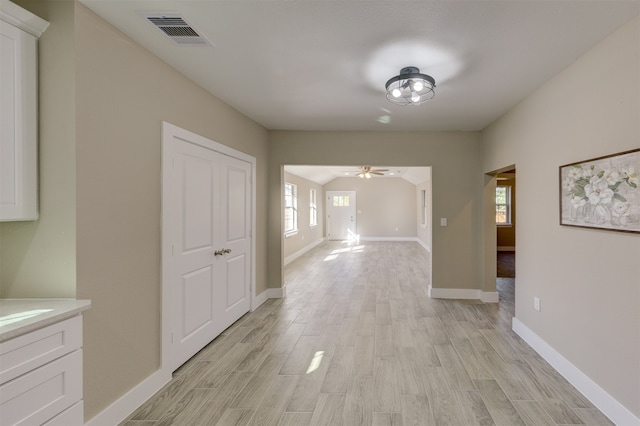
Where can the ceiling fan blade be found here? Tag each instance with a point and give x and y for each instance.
(379, 170)
(375, 172)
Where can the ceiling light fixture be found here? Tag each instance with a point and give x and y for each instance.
(410, 87)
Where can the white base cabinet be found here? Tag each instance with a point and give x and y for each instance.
(41, 376)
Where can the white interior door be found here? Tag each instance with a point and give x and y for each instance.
(235, 238)
(207, 244)
(194, 272)
(341, 215)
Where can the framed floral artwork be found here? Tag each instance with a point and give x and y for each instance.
(602, 192)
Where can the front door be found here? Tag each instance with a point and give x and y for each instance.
(341, 215)
(209, 275)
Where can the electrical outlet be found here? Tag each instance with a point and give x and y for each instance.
(443, 221)
(536, 303)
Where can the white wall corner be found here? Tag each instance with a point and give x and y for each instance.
(122, 408)
(609, 406)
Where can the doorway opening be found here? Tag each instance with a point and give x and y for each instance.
(500, 231)
(506, 218)
(393, 204)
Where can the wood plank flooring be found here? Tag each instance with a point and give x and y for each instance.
(357, 341)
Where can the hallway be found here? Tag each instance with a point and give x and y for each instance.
(357, 341)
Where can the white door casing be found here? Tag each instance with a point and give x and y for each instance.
(341, 215)
(208, 251)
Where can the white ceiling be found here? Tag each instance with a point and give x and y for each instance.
(324, 174)
(322, 65)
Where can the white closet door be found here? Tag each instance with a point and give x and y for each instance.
(193, 281)
(235, 238)
(210, 209)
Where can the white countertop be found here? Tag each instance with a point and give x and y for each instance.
(20, 316)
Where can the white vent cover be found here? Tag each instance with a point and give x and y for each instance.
(176, 28)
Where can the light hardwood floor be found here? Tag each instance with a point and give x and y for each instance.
(358, 342)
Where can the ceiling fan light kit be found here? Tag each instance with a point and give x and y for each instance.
(368, 172)
(410, 87)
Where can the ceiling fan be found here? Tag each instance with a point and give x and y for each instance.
(368, 171)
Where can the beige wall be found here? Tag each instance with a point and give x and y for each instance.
(103, 96)
(457, 189)
(306, 234)
(38, 258)
(123, 94)
(588, 280)
(383, 204)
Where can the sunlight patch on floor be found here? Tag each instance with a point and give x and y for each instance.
(337, 252)
(315, 362)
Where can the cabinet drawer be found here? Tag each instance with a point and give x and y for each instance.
(24, 353)
(72, 416)
(38, 396)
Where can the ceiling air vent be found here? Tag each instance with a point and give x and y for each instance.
(177, 29)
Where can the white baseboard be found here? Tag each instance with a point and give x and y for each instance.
(259, 299)
(506, 248)
(611, 408)
(489, 296)
(423, 244)
(270, 293)
(117, 412)
(300, 252)
(388, 239)
(463, 293)
(416, 239)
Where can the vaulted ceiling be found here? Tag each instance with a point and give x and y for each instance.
(324, 174)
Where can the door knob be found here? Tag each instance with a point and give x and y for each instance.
(218, 252)
(226, 251)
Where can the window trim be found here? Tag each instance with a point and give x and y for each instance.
(507, 204)
(313, 208)
(294, 201)
(423, 208)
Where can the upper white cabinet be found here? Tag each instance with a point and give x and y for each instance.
(19, 32)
